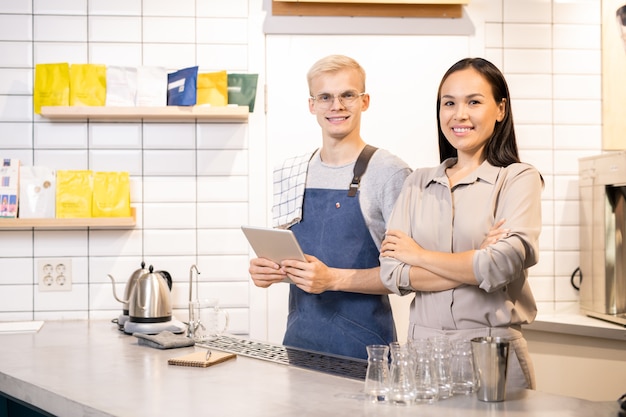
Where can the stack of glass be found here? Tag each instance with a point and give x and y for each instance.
(420, 371)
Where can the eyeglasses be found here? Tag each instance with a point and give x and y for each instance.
(347, 98)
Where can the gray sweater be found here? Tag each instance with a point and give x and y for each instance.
(378, 191)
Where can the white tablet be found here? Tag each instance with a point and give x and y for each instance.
(273, 244)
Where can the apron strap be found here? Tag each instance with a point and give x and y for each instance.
(360, 167)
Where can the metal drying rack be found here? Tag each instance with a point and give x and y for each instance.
(322, 362)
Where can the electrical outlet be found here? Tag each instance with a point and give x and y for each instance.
(54, 274)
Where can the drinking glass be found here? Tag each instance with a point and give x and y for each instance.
(402, 375)
(208, 321)
(442, 357)
(462, 368)
(377, 377)
(426, 389)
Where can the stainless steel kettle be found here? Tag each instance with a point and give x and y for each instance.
(130, 284)
(150, 301)
(150, 297)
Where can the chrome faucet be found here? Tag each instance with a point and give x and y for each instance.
(193, 325)
(191, 281)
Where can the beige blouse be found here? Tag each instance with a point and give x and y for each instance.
(458, 219)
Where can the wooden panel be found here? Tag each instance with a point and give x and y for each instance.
(284, 8)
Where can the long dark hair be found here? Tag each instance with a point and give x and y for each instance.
(501, 148)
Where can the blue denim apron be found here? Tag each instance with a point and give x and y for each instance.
(337, 322)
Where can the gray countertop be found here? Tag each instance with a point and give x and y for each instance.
(569, 320)
(80, 368)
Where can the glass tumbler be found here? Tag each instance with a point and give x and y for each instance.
(462, 368)
(377, 377)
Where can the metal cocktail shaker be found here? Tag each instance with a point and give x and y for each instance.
(491, 356)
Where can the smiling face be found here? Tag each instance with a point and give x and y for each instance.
(468, 112)
(338, 120)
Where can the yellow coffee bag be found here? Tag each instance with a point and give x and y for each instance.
(73, 194)
(111, 194)
(52, 85)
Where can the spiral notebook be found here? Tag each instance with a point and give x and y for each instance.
(199, 359)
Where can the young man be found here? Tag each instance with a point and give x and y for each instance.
(337, 201)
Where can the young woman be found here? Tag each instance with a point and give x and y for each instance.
(433, 242)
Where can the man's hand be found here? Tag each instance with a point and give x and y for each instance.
(313, 276)
(265, 272)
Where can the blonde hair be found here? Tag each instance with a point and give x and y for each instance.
(334, 63)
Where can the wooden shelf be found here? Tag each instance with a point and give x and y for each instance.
(368, 8)
(95, 222)
(234, 114)
(379, 1)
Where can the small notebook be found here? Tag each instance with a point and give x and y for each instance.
(199, 359)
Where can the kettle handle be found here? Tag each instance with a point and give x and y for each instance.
(167, 277)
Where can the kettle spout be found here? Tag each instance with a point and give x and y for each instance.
(114, 293)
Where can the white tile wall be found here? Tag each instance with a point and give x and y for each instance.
(122, 54)
(219, 8)
(194, 184)
(110, 135)
(125, 29)
(528, 35)
(576, 36)
(14, 27)
(169, 30)
(61, 52)
(215, 57)
(60, 28)
(17, 7)
(16, 81)
(225, 31)
(116, 243)
(581, 12)
(115, 7)
(60, 7)
(170, 56)
(168, 8)
(16, 108)
(16, 54)
(161, 157)
(530, 11)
